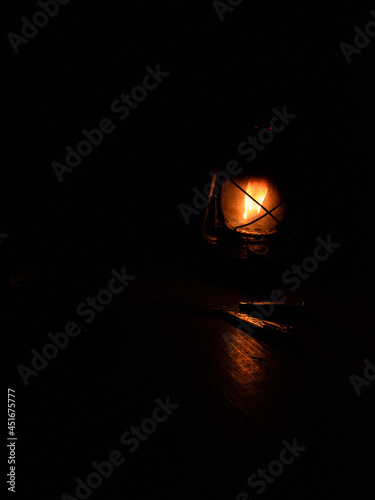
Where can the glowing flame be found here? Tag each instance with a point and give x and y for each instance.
(257, 190)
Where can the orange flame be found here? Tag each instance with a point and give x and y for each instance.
(257, 190)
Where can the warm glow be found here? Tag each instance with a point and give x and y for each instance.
(257, 190)
(244, 215)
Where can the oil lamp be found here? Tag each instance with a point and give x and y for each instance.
(247, 216)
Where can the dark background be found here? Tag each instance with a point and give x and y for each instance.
(120, 206)
(224, 78)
